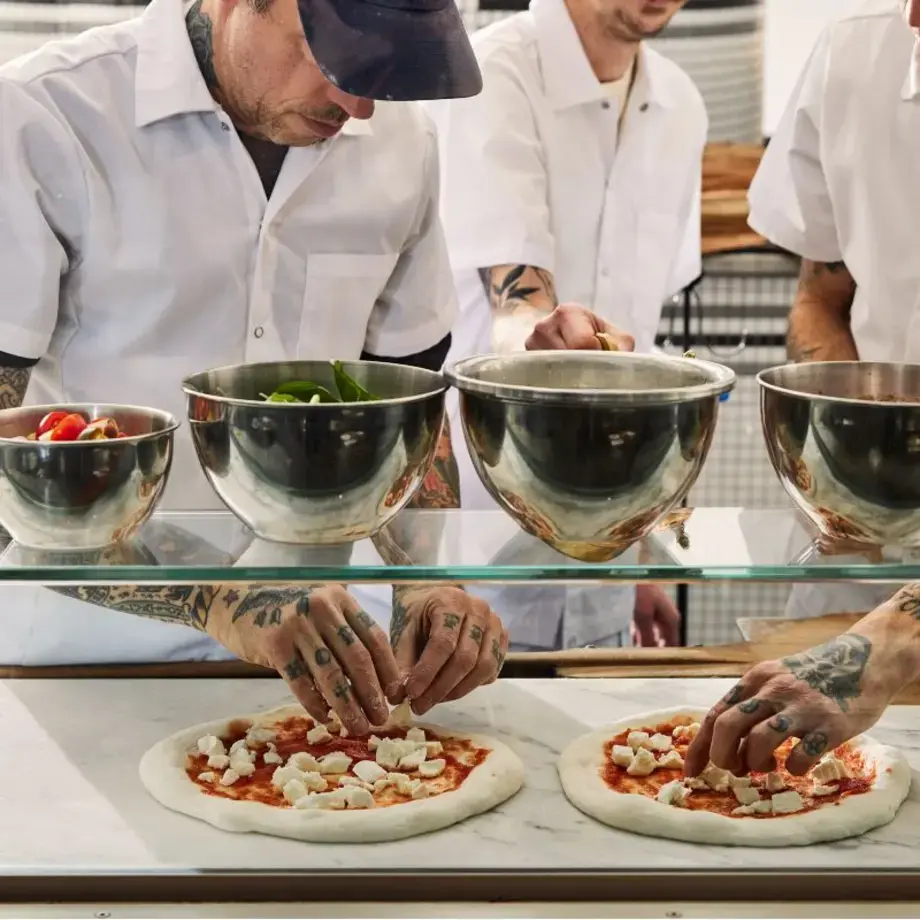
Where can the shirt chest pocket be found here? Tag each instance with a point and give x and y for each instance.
(340, 292)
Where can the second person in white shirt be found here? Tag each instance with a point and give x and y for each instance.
(573, 177)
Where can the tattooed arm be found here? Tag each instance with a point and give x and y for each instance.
(823, 696)
(521, 296)
(819, 321)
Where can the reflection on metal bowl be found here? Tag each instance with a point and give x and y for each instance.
(844, 439)
(588, 450)
(315, 474)
(72, 496)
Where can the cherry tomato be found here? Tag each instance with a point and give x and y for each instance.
(49, 421)
(68, 428)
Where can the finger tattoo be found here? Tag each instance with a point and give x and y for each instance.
(497, 652)
(749, 706)
(365, 619)
(346, 634)
(342, 691)
(322, 657)
(780, 723)
(451, 621)
(734, 695)
(476, 633)
(296, 667)
(815, 744)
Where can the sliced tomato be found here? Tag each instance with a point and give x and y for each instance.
(68, 428)
(49, 421)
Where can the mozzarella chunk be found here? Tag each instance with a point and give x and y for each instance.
(207, 777)
(717, 779)
(318, 734)
(686, 733)
(659, 743)
(402, 783)
(229, 777)
(819, 790)
(354, 781)
(432, 768)
(238, 746)
(314, 781)
(294, 789)
(697, 784)
(357, 797)
(327, 801)
(412, 761)
(272, 757)
(637, 740)
(419, 790)
(284, 775)
(829, 768)
(257, 737)
(333, 722)
(433, 748)
(622, 755)
(643, 764)
(373, 743)
(304, 762)
(740, 781)
(368, 771)
(785, 803)
(671, 761)
(211, 745)
(241, 762)
(387, 754)
(775, 783)
(746, 795)
(382, 784)
(415, 734)
(334, 763)
(219, 761)
(743, 810)
(674, 793)
(763, 807)
(402, 714)
(693, 729)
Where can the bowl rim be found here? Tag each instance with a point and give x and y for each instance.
(172, 424)
(765, 384)
(441, 387)
(722, 380)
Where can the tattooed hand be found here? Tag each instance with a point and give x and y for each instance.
(331, 653)
(822, 697)
(572, 327)
(447, 643)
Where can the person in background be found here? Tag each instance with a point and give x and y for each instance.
(574, 177)
(211, 184)
(823, 696)
(843, 203)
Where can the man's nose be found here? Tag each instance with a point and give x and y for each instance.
(913, 13)
(357, 106)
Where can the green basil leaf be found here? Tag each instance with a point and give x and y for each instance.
(349, 389)
(303, 391)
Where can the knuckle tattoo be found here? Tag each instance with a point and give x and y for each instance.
(780, 723)
(322, 656)
(815, 743)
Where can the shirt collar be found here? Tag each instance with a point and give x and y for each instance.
(567, 74)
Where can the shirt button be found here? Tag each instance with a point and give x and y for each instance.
(605, 104)
(224, 126)
(258, 332)
(643, 107)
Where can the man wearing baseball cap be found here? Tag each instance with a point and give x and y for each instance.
(209, 185)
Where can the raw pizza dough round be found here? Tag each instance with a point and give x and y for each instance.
(579, 771)
(162, 771)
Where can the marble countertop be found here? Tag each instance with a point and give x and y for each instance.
(71, 800)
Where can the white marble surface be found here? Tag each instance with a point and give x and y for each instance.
(71, 800)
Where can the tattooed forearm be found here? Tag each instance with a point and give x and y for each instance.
(187, 605)
(520, 295)
(14, 382)
(201, 32)
(400, 616)
(907, 600)
(819, 322)
(441, 485)
(835, 668)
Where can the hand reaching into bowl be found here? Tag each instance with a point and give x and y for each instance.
(573, 327)
(821, 697)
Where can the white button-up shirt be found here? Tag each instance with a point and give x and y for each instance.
(137, 247)
(840, 180)
(541, 169)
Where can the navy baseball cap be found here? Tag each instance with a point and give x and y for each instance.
(392, 49)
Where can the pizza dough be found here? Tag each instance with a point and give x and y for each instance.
(581, 765)
(163, 771)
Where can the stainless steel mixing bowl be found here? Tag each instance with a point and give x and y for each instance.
(85, 495)
(844, 439)
(588, 450)
(315, 474)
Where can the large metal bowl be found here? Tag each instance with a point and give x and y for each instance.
(588, 450)
(844, 439)
(85, 495)
(315, 474)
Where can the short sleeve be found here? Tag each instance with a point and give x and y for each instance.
(494, 190)
(39, 196)
(790, 203)
(418, 307)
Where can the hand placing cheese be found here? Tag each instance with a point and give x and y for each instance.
(823, 696)
(573, 327)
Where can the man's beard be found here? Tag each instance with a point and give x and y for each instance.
(629, 28)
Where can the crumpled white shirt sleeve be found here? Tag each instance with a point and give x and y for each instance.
(494, 190)
(790, 203)
(42, 192)
(418, 307)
